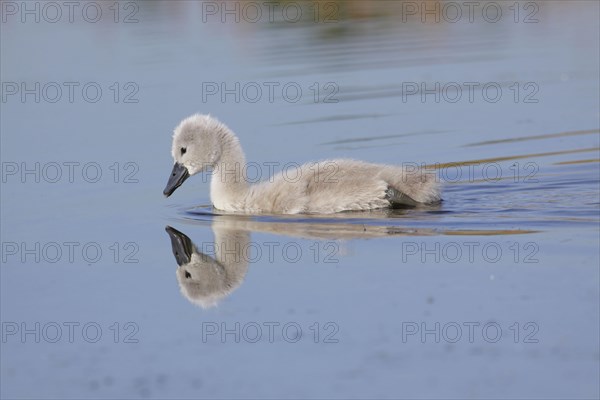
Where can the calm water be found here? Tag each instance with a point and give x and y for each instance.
(492, 294)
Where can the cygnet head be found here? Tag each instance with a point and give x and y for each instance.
(198, 143)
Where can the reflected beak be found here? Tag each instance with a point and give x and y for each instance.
(178, 176)
(182, 246)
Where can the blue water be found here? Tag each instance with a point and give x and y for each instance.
(492, 294)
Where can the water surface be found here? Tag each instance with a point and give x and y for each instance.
(514, 245)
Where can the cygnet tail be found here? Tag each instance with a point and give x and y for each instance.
(413, 187)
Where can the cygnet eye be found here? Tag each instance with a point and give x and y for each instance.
(188, 275)
(183, 150)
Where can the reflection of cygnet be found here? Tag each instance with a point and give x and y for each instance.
(204, 280)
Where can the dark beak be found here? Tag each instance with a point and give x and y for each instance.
(182, 246)
(178, 176)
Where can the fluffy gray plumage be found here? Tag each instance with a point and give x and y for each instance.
(325, 187)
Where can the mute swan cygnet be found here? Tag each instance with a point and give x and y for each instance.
(201, 142)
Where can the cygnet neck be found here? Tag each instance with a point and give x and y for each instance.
(228, 185)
